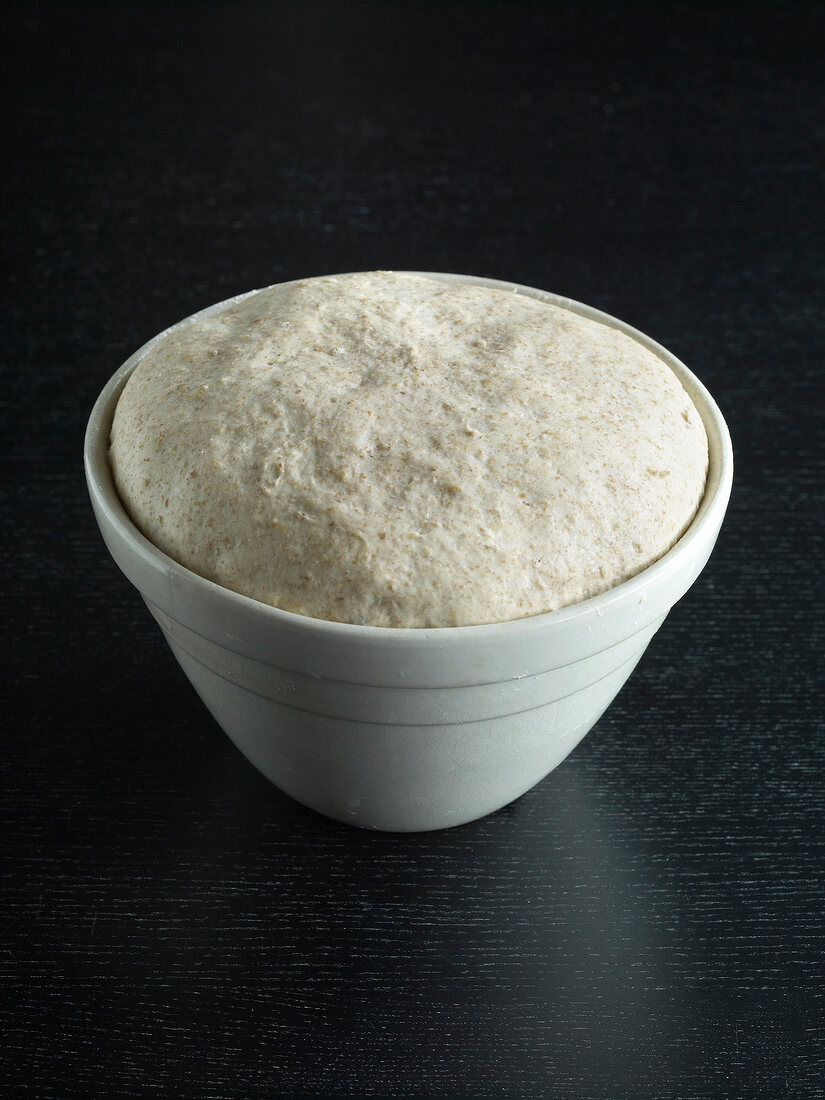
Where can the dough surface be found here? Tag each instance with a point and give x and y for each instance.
(393, 450)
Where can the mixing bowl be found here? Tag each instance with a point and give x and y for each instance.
(407, 729)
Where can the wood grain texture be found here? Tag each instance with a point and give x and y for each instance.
(648, 921)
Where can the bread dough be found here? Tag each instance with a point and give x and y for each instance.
(394, 450)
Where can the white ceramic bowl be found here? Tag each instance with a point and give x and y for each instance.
(407, 729)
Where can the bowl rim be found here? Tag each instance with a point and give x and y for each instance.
(702, 529)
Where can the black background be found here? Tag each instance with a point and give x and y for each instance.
(648, 921)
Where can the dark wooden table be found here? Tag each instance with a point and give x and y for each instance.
(648, 921)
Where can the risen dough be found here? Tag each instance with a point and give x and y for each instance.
(393, 450)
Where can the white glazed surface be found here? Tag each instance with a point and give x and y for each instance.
(407, 729)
